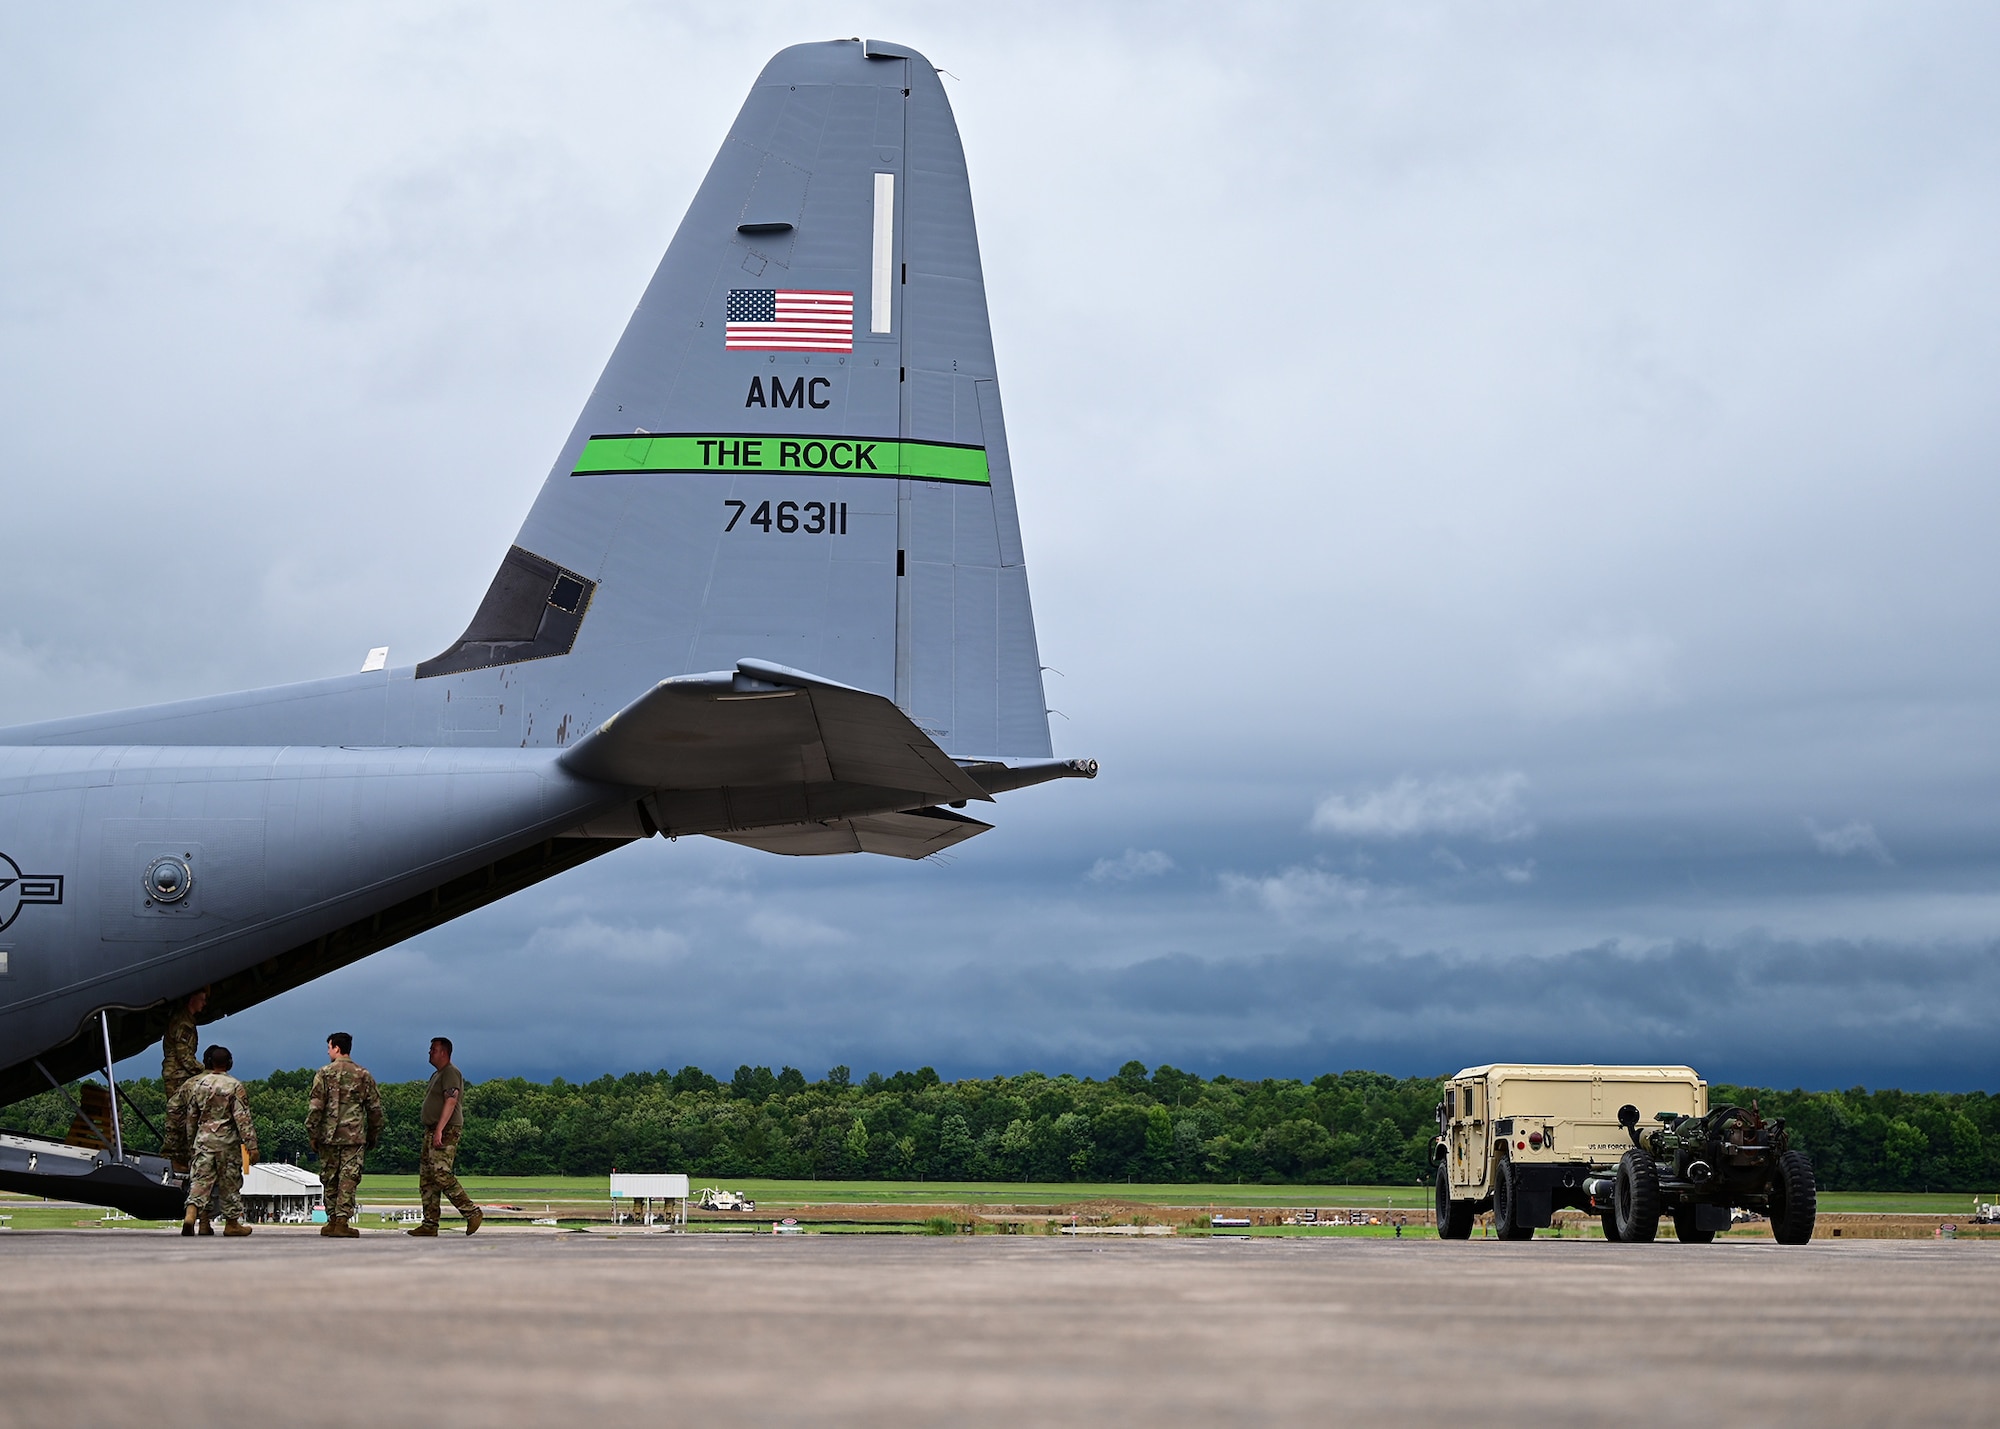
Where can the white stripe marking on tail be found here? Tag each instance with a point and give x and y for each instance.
(881, 299)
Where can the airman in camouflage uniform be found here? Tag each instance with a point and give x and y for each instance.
(215, 1120)
(444, 1120)
(343, 1120)
(180, 1062)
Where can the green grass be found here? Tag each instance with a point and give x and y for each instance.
(1912, 1203)
(31, 1215)
(567, 1193)
(524, 1191)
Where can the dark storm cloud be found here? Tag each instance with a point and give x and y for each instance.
(1758, 1010)
(662, 957)
(1529, 581)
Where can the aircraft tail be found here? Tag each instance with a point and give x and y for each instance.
(772, 590)
(796, 456)
(797, 452)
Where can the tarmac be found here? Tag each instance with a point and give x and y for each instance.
(537, 1327)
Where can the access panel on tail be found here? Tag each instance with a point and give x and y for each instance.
(796, 453)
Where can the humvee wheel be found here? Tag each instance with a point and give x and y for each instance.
(1454, 1218)
(1794, 1200)
(1636, 1197)
(1609, 1220)
(1684, 1227)
(1504, 1207)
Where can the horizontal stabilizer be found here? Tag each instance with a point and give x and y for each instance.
(915, 834)
(996, 777)
(766, 726)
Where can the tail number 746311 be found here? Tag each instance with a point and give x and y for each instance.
(813, 518)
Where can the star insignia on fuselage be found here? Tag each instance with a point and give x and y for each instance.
(17, 889)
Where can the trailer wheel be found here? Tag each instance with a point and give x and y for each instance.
(1609, 1220)
(1636, 1197)
(1794, 1200)
(1454, 1218)
(1504, 1206)
(1684, 1227)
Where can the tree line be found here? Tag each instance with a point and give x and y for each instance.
(1162, 1125)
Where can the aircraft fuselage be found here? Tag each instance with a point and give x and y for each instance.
(283, 847)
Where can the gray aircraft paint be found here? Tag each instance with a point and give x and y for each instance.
(801, 691)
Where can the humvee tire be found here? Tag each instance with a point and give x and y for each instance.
(1503, 1206)
(1684, 1227)
(1636, 1198)
(1454, 1218)
(1609, 1220)
(1794, 1200)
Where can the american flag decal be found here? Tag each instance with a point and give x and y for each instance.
(788, 320)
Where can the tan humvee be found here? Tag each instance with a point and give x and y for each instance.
(1523, 1140)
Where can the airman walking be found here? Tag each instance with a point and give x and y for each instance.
(215, 1120)
(343, 1122)
(444, 1119)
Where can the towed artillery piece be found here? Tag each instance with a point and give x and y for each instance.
(1697, 1168)
(1524, 1141)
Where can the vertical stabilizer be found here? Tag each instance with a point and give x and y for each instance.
(797, 452)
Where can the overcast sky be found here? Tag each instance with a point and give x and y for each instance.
(1510, 492)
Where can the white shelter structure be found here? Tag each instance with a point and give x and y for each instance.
(274, 1192)
(671, 1189)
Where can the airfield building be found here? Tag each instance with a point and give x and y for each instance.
(274, 1192)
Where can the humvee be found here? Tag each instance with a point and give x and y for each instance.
(1526, 1141)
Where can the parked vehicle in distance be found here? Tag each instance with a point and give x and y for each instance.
(713, 1199)
(1524, 1141)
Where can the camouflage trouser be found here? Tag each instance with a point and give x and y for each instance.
(340, 1173)
(173, 1141)
(217, 1184)
(436, 1180)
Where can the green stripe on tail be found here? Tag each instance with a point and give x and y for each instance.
(783, 456)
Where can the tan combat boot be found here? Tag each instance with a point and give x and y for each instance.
(423, 1228)
(346, 1231)
(474, 1219)
(235, 1228)
(203, 1225)
(187, 1222)
(330, 1228)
